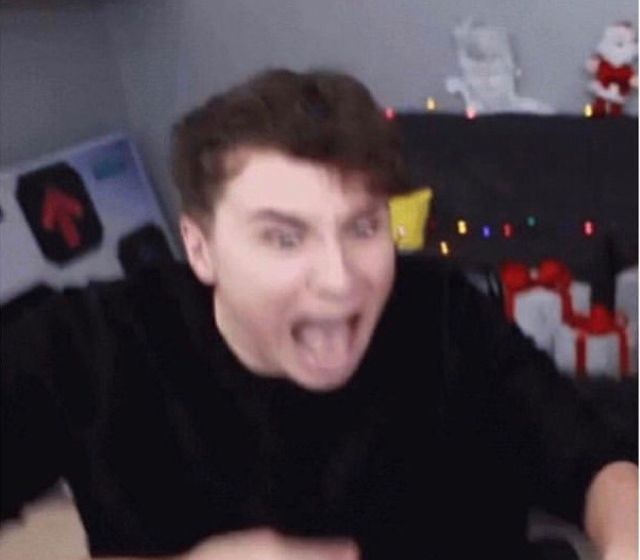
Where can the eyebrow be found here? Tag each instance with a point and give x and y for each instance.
(269, 214)
(293, 220)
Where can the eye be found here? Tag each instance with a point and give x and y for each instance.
(366, 227)
(282, 239)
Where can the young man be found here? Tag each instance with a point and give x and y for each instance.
(299, 391)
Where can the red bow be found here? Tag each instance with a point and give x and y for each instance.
(600, 321)
(552, 274)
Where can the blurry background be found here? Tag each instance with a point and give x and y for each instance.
(71, 70)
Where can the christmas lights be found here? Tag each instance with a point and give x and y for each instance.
(589, 228)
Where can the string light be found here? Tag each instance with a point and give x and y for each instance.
(471, 112)
(431, 104)
(389, 113)
(588, 110)
(508, 229)
(589, 228)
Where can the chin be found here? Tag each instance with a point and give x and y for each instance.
(323, 381)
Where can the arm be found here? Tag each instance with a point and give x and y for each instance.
(611, 511)
(563, 439)
(30, 425)
(265, 544)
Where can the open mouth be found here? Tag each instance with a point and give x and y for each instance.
(326, 344)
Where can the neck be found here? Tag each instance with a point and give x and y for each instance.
(236, 342)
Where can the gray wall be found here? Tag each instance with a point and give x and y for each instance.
(172, 54)
(59, 80)
(403, 50)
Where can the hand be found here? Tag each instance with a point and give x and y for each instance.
(266, 544)
(620, 554)
(611, 511)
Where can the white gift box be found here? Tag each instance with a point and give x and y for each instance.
(601, 352)
(626, 298)
(580, 293)
(632, 329)
(538, 313)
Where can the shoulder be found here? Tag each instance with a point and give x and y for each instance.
(425, 280)
(83, 340)
(447, 304)
(86, 320)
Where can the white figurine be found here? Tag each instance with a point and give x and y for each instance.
(489, 73)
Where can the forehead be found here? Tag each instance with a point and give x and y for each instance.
(271, 179)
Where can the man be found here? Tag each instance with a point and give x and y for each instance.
(300, 392)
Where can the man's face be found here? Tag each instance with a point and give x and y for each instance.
(302, 261)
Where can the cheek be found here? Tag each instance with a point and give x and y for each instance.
(267, 291)
(376, 263)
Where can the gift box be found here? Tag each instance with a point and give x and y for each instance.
(626, 304)
(593, 345)
(538, 300)
(626, 297)
(538, 313)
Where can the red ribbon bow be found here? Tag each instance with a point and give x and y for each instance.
(552, 274)
(600, 321)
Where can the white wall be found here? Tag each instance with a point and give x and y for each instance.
(174, 54)
(59, 80)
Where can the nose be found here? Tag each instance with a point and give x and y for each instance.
(332, 272)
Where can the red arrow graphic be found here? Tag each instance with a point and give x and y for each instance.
(59, 212)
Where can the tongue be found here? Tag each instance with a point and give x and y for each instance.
(326, 344)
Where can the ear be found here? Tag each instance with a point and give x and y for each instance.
(199, 248)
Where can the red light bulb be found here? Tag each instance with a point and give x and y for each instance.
(589, 228)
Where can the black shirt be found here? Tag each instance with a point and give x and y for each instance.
(451, 428)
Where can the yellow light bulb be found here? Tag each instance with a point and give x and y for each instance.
(431, 104)
(444, 248)
(588, 110)
(462, 227)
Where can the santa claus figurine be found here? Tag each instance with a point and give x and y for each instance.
(612, 69)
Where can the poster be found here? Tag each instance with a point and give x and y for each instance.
(81, 214)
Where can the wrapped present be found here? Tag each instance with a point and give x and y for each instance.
(626, 303)
(580, 293)
(626, 298)
(538, 300)
(632, 330)
(538, 313)
(595, 345)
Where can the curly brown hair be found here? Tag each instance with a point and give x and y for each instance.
(321, 116)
